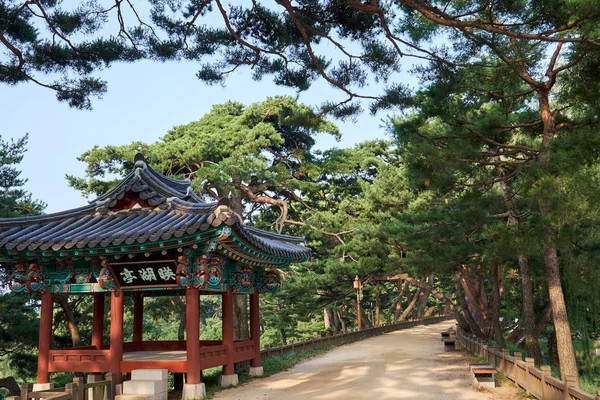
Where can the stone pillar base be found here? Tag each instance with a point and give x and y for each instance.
(228, 380)
(256, 371)
(193, 391)
(42, 386)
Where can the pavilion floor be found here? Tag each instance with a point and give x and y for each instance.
(173, 355)
(167, 355)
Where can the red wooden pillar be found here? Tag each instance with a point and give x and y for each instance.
(98, 322)
(138, 317)
(116, 333)
(255, 329)
(45, 342)
(227, 328)
(192, 323)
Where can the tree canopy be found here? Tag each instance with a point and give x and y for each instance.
(14, 200)
(346, 44)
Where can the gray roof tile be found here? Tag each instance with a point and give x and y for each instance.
(175, 211)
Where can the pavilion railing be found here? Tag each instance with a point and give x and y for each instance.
(537, 382)
(339, 339)
(78, 359)
(94, 389)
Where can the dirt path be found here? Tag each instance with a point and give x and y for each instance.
(409, 364)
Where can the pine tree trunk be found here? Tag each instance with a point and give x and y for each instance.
(495, 300)
(564, 340)
(424, 297)
(410, 306)
(240, 302)
(552, 350)
(544, 321)
(329, 320)
(63, 302)
(532, 344)
(468, 320)
(182, 315)
(401, 286)
(481, 297)
(471, 302)
(341, 319)
(240, 317)
(527, 321)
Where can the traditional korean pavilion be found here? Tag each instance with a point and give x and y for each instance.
(150, 235)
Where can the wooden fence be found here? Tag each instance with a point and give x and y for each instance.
(77, 390)
(537, 382)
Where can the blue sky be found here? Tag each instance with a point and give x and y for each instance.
(144, 100)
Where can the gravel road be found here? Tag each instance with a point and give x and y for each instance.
(409, 364)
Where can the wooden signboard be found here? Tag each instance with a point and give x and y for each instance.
(142, 274)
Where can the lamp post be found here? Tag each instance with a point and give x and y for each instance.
(357, 287)
(377, 303)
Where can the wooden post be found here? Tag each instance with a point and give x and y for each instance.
(255, 329)
(518, 357)
(111, 388)
(545, 371)
(80, 385)
(192, 311)
(529, 365)
(26, 388)
(98, 322)
(505, 354)
(227, 327)
(45, 337)
(570, 381)
(377, 303)
(96, 393)
(73, 390)
(498, 358)
(116, 333)
(138, 317)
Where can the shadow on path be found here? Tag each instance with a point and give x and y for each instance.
(408, 364)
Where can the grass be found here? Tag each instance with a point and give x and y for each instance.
(478, 359)
(589, 383)
(522, 394)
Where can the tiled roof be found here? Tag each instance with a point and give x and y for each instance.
(172, 210)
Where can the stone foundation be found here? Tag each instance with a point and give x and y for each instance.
(193, 391)
(228, 380)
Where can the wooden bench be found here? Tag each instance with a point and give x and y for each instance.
(445, 335)
(450, 344)
(483, 376)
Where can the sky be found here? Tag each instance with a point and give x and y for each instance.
(144, 100)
